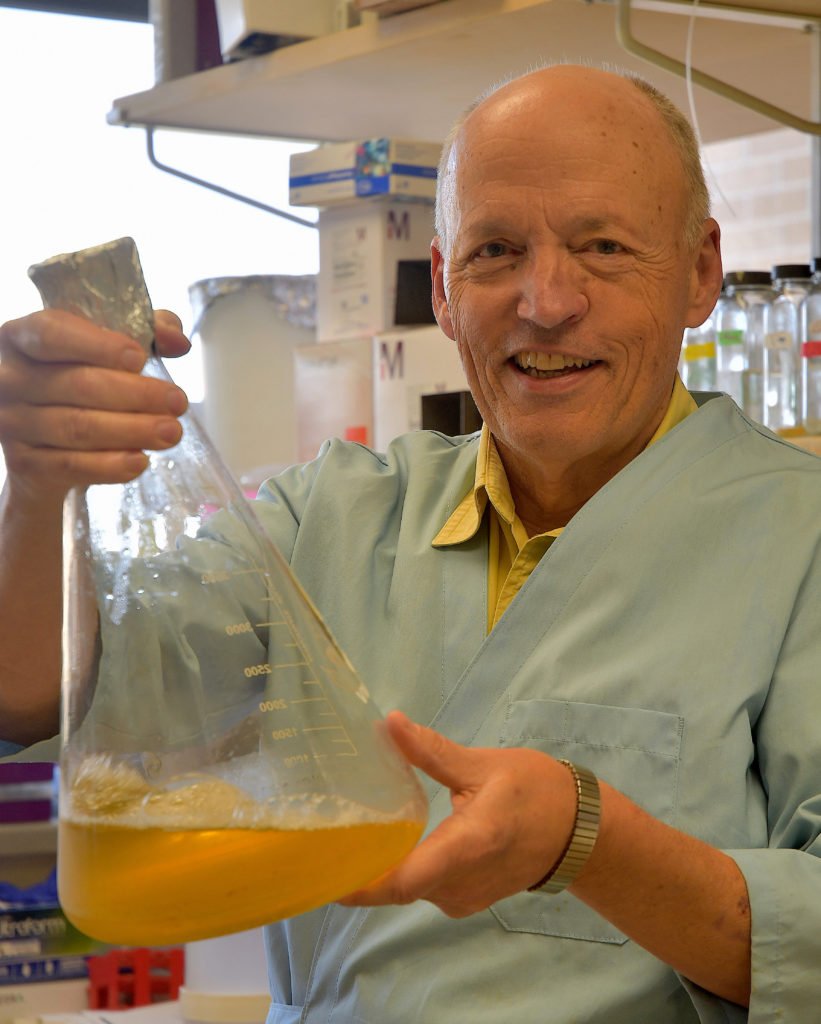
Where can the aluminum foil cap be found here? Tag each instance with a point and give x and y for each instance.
(104, 284)
(293, 296)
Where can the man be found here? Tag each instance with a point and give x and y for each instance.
(608, 575)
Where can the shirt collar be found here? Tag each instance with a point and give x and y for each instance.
(491, 483)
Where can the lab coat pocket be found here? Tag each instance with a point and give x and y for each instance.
(636, 750)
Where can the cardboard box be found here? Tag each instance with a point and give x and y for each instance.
(408, 364)
(28, 852)
(28, 792)
(450, 412)
(39, 944)
(371, 389)
(249, 27)
(333, 394)
(43, 962)
(341, 172)
(29, 1002)
(363, 251)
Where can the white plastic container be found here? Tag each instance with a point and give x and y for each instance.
(217, 1008)
(226, 980)
(249, 327)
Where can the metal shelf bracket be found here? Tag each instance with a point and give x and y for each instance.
(220, 189)
(632, 45)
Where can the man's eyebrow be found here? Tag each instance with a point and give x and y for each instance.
(484, 227)
(588, 224)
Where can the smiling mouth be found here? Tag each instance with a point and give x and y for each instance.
(543, 365)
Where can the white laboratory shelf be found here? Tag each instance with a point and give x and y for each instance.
(411, 74)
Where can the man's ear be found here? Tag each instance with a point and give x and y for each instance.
(705, 275)
(439, 298)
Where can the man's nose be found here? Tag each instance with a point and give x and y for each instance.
(552, 290)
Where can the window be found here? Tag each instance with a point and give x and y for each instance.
(69, 180)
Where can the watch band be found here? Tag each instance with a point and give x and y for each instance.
(582, 838)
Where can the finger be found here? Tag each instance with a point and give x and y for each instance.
(411, 880)
(443, 760)
(167, 318)
(57, 470)
(90, 387)
(55, 336)
(169, 336)
(65, 427)
(427, 870)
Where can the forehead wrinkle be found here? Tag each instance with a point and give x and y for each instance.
(586, 168)
(565, 220)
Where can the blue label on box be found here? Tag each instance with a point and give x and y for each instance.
(368, 181)
(413, 170)
(58, 968)
(381, 184)
(372, 186)
(40, 943)
(322, 177)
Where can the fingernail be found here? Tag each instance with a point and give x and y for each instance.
(169, 431)
(133, 360)
(177, 401)
(135, 462)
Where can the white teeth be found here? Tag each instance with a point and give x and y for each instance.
(548, 361)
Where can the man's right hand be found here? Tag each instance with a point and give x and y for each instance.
(74, 409)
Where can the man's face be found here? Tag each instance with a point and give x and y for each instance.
(567, 281)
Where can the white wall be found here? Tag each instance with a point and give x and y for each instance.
(764, 211)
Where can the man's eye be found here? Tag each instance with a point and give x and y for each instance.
(493, 250)
(606, 247)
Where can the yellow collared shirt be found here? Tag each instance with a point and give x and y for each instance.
(512, 555)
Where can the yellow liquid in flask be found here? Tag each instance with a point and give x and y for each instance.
(158, 886)
(199, 857)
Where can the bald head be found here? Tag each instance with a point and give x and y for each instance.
(590, 105)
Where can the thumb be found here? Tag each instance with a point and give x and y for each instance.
(440, 758)
(169, 335)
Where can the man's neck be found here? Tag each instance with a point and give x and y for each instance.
(547, 494)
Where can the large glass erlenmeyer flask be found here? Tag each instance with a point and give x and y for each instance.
(222, 764)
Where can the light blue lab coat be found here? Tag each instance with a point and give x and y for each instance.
(670, 640)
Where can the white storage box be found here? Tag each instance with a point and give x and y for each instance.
(363, 249)
(248, 27)
(370, 389)
(333, 394)
(340, 172)
(408, 364)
